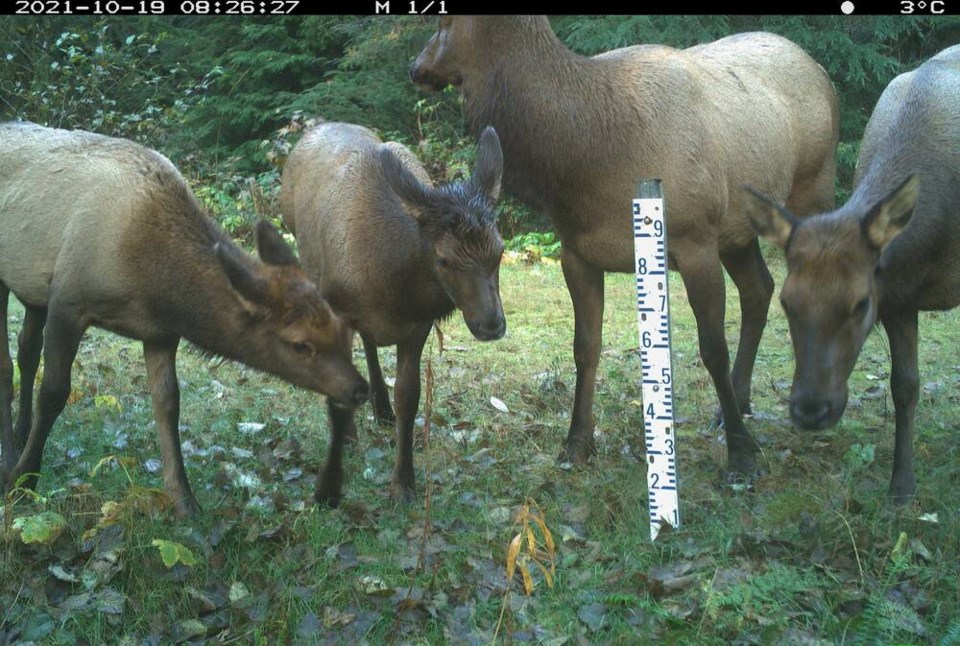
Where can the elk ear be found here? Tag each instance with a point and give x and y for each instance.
(244, 278)
(412, 193)
(488, 169)
(272, 248)
(890, 216)
(770, 220)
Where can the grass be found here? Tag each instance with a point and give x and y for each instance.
(812, 554)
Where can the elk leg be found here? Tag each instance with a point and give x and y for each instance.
(330, 482)
(755, 285)
(407, 400)
(379, 395)
(61, 340)
(28, 360)
(905, 387)
(7, 448)
(585, 284)
(160, 358)
(703, 278)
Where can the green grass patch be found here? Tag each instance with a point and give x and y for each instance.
(812, 554)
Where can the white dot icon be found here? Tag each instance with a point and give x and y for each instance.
(847, 7)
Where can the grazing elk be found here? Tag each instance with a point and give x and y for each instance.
(579, 132)
(104, 232)
(392, 257)
(891, 251)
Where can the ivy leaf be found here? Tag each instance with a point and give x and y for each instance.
(43, 528)
(172, 553)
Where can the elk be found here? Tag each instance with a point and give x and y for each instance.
(578, 133)
(889, 253)
(101, 231)
(395, 254)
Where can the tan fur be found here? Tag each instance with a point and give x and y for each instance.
(890, 252)
(578, 133)
(104, 232)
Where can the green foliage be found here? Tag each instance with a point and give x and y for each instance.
(340, 68)
(172, 553)
(769, 596)
(237, 202)
(804, 557)
(859, 455)
(104, 76)
(43, 528)
(535, 245)
(952, 636)
(884, 619)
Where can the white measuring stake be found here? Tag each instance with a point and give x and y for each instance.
(653, 318)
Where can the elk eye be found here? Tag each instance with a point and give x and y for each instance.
(302, 348)
(443, 263)
(860, 309)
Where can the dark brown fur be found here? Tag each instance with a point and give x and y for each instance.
(393, 254)
(103, 232)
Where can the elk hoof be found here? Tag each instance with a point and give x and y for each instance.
(738, 481)
(329, 499)
(743, 464)
(577, 452)
(384, 416)
(901, 494)
(186, 507)
(404, 494)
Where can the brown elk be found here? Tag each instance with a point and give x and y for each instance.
(104, 232)
(890, 252)
(395, 255)
(579, 132)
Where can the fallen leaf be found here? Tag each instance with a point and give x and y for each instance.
(498, 404)
(213, 597)
(666, 580)
(37, 627)
(374, 585)
(106, 600)
(238, 591)
(594, 615)
(60, 573)
(188, 629)
(172, 553)
(44, 528)
(309, 627)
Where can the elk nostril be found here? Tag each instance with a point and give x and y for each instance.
(810, 414)
(492, 330)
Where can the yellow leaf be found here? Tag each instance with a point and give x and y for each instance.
(531, 541)
(172, 553)
(44, 528)
(527, 580)
(547, 536)
(547, 576)
(111, 511)
(901, 543)
(512, 552)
